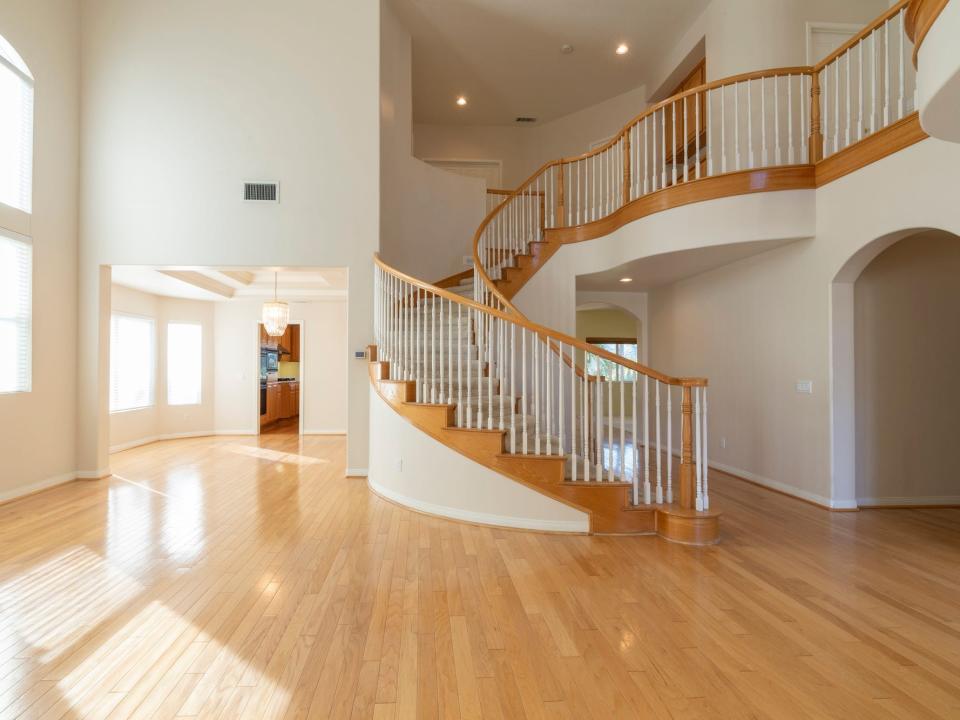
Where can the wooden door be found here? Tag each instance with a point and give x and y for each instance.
(694, 126)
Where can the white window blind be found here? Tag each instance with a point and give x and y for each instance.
(132, 362)
(184, 363)
(16, 129)
(16, 261)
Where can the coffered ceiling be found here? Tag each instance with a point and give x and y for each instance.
(505, 56)
(228, 283)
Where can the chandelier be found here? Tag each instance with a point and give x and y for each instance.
(275, 314)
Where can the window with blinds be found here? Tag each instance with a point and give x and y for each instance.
(184, 363)
(16, 129)
(132, 362)
(16, 270)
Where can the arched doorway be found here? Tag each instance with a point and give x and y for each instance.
(895, 346)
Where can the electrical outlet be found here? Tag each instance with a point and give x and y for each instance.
(400, 465)
(723, 443)
(805, 387)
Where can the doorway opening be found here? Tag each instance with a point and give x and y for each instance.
(280, 395)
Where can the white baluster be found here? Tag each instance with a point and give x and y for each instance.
(547, 393)
(673, 147)
(623, 431)
(696, 100)
(706, 448)
(635, 477)
(523, 383)
(900, 61)
(459, 365)
(776, 120)
(699, 450)
(790, 155)
(560, 399)
(669, 443)
(471, 330)
(848, 56)
(646, 155)
(723, 130)
(646, 441)
(860, 91)
(599, 427)
(750, 162)
(736, 122)
(663, 146)
(490, 370)
(501, 368)
(659, 455)
(513, 389)
(763, 120)
(873, 81)
(686, 141)
(886, 74)
(610, 440)
(535, 350)
(585, 421)
(573, 412)
(836, 105)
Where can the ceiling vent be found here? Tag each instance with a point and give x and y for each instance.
(261, 191)
(522, 119)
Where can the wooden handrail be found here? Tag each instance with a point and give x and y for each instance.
(920, 17)
(540, 330)
(869, 28)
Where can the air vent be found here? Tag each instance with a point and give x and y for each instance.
(261, 191)
(526, 119)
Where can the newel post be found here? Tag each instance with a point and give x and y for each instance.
(626, 167)
(816, 134)
(688, 490)
(561, 215)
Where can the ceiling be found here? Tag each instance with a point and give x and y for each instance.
(658, 270)
(504, 55)
(228, 283)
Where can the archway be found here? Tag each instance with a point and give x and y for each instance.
(891, 333)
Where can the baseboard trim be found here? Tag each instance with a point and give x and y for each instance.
(784, 489)
(92, 474)
(39, 486)
(485, 519)
(357, 472)
(311, 431)
(235, 432)
(934, 501)
(158, 438)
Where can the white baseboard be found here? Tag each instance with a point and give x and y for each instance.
(570, 526)
(92, 474)
(321, 431)
(815, 498)
(37, 486)
(157, 438)
(235, 432)
(912, 501)
(356, 472)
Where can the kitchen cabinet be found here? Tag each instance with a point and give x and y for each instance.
(289, 399)
(290, 342)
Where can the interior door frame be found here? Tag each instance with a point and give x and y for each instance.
(816, 26)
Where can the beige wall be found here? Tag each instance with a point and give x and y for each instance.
(37, 442)
(180, 107)
(907, 349)
(133, 427)
(606, 322)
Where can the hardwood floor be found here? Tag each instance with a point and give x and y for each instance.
(247, 578)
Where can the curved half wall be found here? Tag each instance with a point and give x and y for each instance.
(413, 469)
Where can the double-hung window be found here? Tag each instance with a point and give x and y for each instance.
(132, 362)
(16, 130)
(624, 347)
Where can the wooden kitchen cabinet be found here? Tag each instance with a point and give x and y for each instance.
(289, 399)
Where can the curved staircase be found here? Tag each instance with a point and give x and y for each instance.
(622, 442)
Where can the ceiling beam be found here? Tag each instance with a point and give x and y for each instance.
(244, 277)
(204, 282)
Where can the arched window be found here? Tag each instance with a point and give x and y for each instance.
(16, 130)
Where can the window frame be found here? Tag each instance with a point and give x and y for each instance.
(619, 343)
(153, 363)
(11, 61)
(167, 383)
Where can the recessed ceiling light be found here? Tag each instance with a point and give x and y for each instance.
(626, 280)
(623, 49)
(461, 101)
(566, 49)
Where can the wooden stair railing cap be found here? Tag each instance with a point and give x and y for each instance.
(920, 17)
(540, 330)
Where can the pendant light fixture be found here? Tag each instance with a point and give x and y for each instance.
(276, 314)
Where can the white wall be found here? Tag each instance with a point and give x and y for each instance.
(134, 427)
(757, 326)
(37, 442)
(324, 365)
(182, 102)
(413, 469)
(428, 215)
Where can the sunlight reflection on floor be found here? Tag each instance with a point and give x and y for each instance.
(274, 455)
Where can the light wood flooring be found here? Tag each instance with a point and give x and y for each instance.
(247, 578)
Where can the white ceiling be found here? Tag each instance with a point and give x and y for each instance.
(659, 270)
(504, 55)
(228, 283)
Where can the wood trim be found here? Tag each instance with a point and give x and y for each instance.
(899, 135)
(500, 191)
(869, 28)
(454, 280)
(920, 17)
(744, 182)
(541, 330)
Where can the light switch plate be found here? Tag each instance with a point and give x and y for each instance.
(805, 387)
